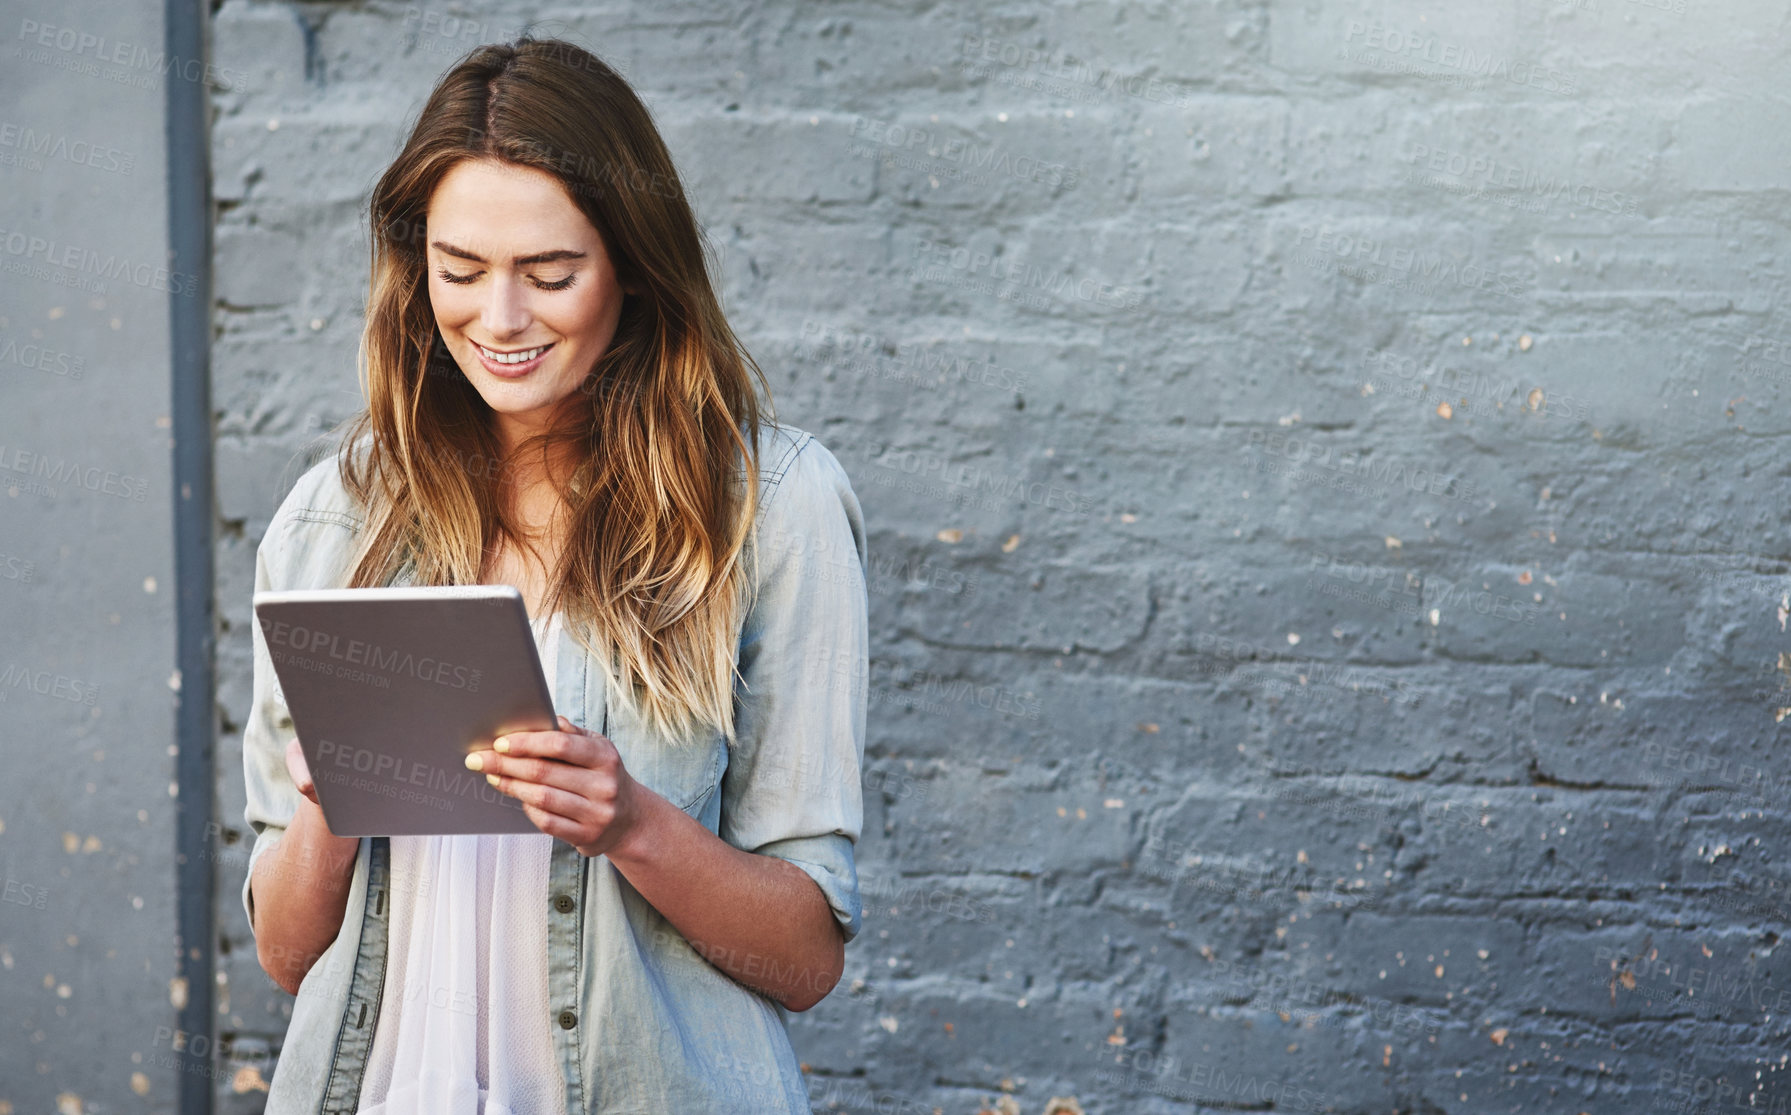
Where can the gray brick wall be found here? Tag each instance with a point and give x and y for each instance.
(1328, 598)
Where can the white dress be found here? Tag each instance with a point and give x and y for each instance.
(464, 1030)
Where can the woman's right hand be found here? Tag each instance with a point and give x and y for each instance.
(300, 771)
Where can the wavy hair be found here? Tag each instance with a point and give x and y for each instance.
(662, 436)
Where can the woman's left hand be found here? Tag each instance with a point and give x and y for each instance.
(571, 784)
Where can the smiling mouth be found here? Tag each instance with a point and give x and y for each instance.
(522, 356)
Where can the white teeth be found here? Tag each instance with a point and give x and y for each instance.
(511, 357)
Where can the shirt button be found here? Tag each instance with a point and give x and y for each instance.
(563, 903)
(568, 1020)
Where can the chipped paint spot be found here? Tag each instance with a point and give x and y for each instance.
(1524, 342)
(1444, 410)
(139, 1084)
(71, 843)
(888, 1022)
(1013, 541)
(177, 992)
(1498, 1036)
(950, 534)
(248, 1079)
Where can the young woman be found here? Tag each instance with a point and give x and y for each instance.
(554, 401)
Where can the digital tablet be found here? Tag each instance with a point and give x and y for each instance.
(391, 688)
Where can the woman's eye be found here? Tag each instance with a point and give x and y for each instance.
(557, 284)
(451, 277)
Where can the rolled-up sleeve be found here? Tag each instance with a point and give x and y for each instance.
(792, 787)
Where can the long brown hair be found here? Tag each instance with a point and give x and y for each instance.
(663, 493)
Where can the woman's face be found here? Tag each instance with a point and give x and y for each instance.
(523, 292)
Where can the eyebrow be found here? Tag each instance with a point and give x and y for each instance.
(521, 261)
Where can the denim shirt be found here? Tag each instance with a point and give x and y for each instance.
(642, 1022)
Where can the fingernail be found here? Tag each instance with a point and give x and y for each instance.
(491, 778)
(475, 761)
(502, 743)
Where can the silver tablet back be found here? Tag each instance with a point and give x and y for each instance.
(390, 689)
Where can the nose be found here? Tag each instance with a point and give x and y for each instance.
(505, 313)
